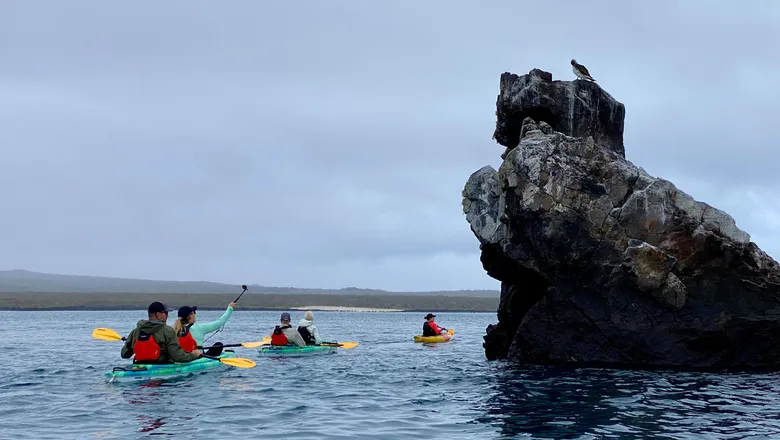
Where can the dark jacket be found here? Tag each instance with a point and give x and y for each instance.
(170, 350)
(427, 330)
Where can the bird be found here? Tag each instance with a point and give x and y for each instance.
(581, 71)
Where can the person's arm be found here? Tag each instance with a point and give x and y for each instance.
(208, 327)
(316, 334)
(175, 352)
(298, 340)
(127, 348)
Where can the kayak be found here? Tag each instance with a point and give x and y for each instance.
(147, 372)
(294, 350)
(444, 337)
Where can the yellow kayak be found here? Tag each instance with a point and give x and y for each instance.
(444, 337)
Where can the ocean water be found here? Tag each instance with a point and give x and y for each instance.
(52, 387)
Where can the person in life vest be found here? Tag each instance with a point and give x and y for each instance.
(152, 341)
(430, 328)
(191, 333)
(285, 334)
(308, 330)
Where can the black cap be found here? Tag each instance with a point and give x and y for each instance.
(185, 311)
(157, 307)
(285, 317)
(430, 315)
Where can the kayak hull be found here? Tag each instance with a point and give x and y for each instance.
(444, 337)
(294, 350)
(150, 372)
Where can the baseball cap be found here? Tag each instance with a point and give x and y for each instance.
(285, 316)
(430, 315)
(185, 311)
(157, 307)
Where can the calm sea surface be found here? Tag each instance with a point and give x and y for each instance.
(52, 387)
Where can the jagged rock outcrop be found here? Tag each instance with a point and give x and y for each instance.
(601, 263)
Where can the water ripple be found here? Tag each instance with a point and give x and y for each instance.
(386, 388)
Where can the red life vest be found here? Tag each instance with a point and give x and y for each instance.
(435, 327)
(278, 337)
(146, 348)
(186, 341)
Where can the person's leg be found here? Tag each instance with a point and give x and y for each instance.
(216, 350)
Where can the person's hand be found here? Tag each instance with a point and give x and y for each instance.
(232, 305)
(199, 353)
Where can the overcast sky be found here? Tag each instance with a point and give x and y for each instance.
(326, 143)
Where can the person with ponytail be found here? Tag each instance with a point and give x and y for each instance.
(191, 333)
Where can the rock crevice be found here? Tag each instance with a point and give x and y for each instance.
(600, 262)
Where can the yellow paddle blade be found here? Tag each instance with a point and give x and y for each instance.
(238, 362)
(252, 344)
(106, 334)
(266, 340)
(450, 332)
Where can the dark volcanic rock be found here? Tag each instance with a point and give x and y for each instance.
(603, 264)
(575, 108)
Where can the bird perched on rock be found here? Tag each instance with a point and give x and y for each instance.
(581, 71)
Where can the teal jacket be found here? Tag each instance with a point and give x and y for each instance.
(201, 329)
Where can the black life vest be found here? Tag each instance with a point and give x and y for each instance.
(306, 335)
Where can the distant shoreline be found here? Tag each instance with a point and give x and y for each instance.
(40, 301)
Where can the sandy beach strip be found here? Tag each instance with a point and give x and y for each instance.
(344, 309)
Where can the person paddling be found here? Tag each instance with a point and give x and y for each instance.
(285, 334)
(152, 341)
(430, 328)
(191, 333)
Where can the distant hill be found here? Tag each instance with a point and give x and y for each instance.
(19, 281)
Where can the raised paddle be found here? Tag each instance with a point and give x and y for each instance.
(106, 334)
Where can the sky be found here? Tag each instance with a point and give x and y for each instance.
(326, 143)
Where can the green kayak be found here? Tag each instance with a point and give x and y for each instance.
(148, 372)
(294, 350)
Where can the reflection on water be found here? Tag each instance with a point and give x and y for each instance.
(539, 402)
(148, 423)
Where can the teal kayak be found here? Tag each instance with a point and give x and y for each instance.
(148, 372)
(294, 350)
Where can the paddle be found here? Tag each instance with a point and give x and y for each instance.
(233, 362)
(106, 334)
(344, 345)
(243, 344)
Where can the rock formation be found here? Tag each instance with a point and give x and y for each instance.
(601, 263)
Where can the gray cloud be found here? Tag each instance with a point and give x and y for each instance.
(328, 145)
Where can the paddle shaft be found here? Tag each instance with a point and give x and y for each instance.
(206, 348)
(223, 346)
